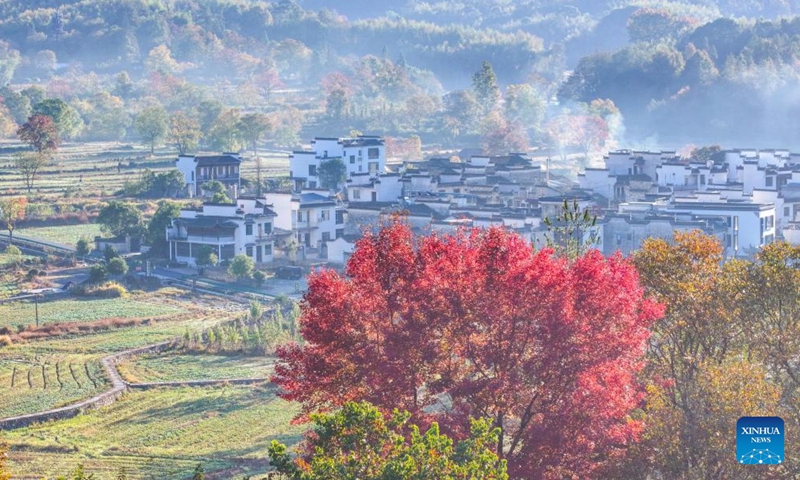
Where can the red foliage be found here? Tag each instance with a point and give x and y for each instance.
(40, 133)
(478, 324)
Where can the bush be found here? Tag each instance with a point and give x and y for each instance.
(110, 252)
(97, 273)
(13, 251)
(259, 277)
(83, 247)
(105, 290)
(117, 266)
(241, 266)
(5, 341)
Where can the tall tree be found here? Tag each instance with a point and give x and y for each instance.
(477, 324)
(68, 123)
(120, 219)
(40, 133)
(253, 126)
(359, 442)
(152, 125)
(332, 173)
(184, 131)
(12, 210)
(484, 84)
(225, 133)
(156, 229)
(28, 164)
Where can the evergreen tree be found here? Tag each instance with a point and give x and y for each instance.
(484, 84)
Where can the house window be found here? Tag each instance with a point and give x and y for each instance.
(312, 184)
(339, 217)
(248, 229)
(373, 168)
(267, 249)
(192, 176)
(312, 170)
(356, 194)
(326, 236)
(325, 215)
(373, 153)
(785, 211)
(769, 181)
(249, 251)
(267, 228)
(299, 216)
(339, 232)
(352, 159)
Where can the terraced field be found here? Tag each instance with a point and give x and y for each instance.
(172, 367)
(30, 384)
(73, 310)
(64, 234)
(160, 433)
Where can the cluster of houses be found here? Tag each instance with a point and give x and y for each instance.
(747, 198)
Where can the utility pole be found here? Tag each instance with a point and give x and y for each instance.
(36, 306)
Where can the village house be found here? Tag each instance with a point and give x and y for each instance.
(360, 155)
(243, 228)
(197, 170)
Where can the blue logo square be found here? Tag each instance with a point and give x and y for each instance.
(760, 440)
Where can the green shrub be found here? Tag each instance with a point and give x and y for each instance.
(259, 277)
(97, 272)
(117, 266)
(13, 251)
(104, 290)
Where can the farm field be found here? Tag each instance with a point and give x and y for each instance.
(81, 310)
(30, 384)
(64, 234)
(176, 367)
(160, 433)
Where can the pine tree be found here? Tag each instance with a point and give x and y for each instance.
(484, 84)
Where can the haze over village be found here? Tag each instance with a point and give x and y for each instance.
(325, 239)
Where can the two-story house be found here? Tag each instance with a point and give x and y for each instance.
(362, 154)
(198, 170)
(245, 227)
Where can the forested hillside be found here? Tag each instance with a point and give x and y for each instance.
(614, 71)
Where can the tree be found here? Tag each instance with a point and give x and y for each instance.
(525, 105)
(83, 247)
(253, 126)
(184, 131)
(478, 324)
(117, 266)
(484, 84)
(205, 257)
(573, 232)
(28, 164)
(156, 229)
(120, 219)
(151, 124)
(67, 121)
(225, 133)
(40, 133)
(160, 60)
(461, 112)
(12, 210)
(241, 267)
(332, 173)
(358, 442)
(221, 198)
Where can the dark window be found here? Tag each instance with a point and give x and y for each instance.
(299, 216)
(267, 249)
(183, 249)
(340, 217)
(769, 181)
(326, 236)
(248, 229)
(312, 184)
(373, 153)
(312, 170)
(267, 228)
(352, 159)
(339, 232)
(249, 251)
(228, 252)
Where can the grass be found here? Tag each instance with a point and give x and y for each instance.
(74, 310)
(172, 367)
(64, 235)
(160, 433)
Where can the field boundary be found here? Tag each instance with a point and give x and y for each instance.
(118, 387)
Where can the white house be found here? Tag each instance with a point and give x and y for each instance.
(362, 154)
(198, 170)
(313, 218)
(245, 227)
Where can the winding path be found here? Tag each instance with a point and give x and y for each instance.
(118, 387)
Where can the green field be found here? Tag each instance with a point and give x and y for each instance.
(72, 310)
(64, 234)
(30, 384)
(160, 433)
(175, 367)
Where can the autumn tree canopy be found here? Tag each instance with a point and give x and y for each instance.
(478, 325)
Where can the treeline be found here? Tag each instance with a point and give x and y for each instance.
(682, 76)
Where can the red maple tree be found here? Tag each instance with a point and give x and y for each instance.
(478, 324)
(40, 132)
